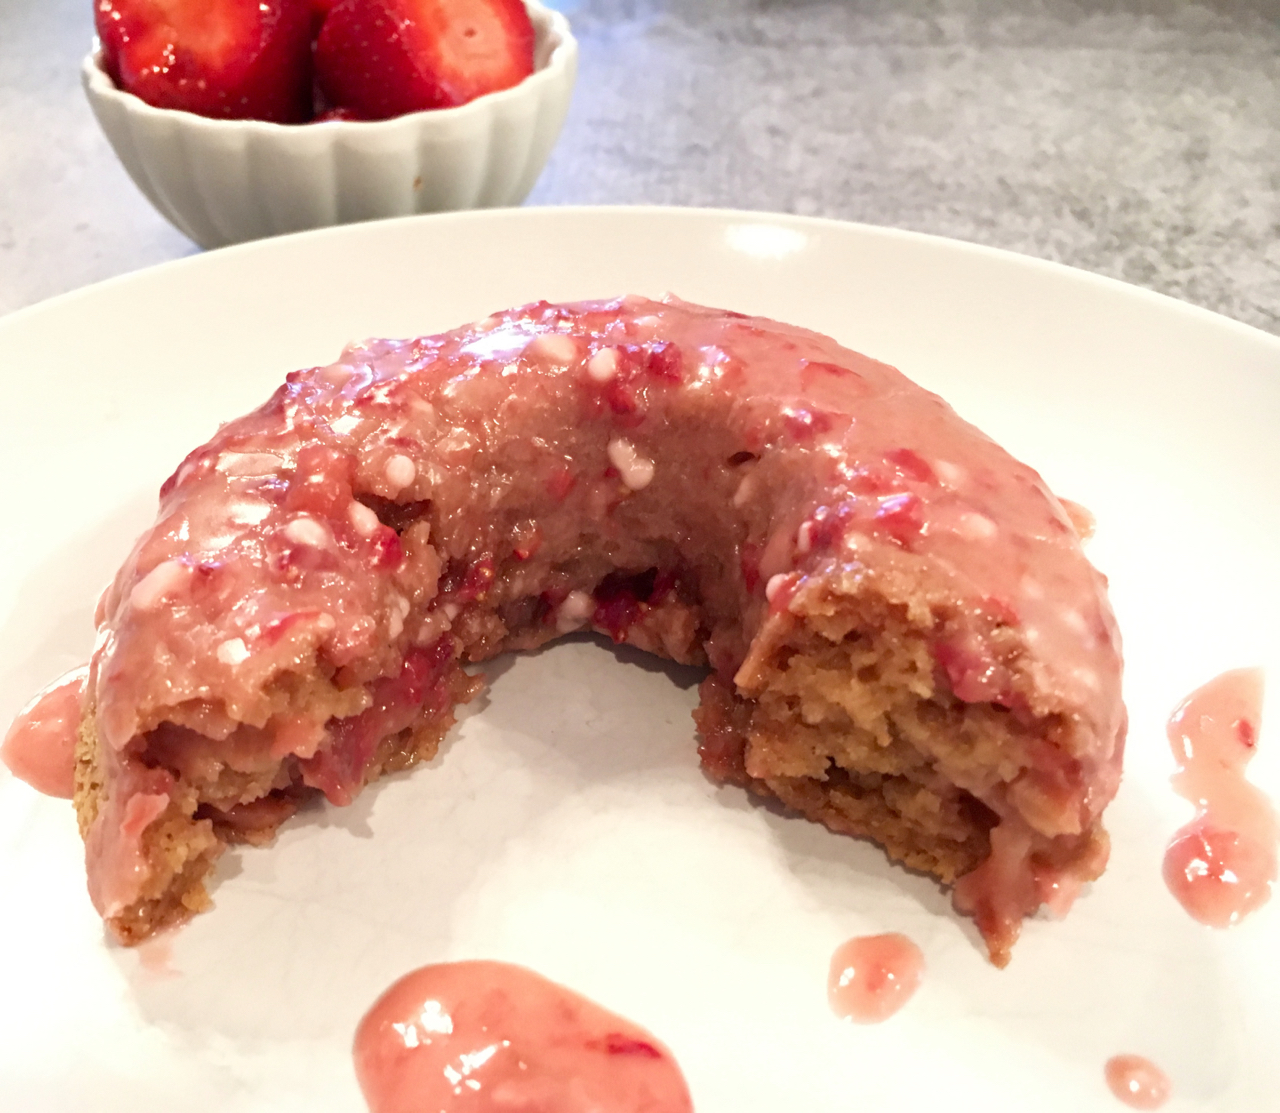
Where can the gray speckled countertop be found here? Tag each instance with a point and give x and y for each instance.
(1137, 138)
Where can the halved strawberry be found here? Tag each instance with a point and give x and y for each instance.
(383, 58)
(237, 59)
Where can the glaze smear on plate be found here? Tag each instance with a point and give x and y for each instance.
(1137, 1082)
(490, 1037)
(40, 745)
(1222, 864)
(873, 976)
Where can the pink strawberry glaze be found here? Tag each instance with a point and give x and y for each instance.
(489, 1037)
(1015, 880)
(1222, 864)
(116, 863)
(873, 976)
(1137, 1082)
(40, 747)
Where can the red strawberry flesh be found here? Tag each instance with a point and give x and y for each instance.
(235, 59)
(383, 58)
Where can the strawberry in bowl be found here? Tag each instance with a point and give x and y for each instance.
(236, 59)
(384, 58)
(410, 106)
(253, 59)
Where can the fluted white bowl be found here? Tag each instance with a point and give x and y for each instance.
(226, 181)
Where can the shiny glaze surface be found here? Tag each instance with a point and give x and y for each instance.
(490, 1037)
(1221, 866)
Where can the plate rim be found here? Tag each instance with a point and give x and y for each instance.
(283, 243)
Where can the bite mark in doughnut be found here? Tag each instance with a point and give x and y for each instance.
(904, 639)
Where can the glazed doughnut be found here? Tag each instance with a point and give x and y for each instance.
(904, 640)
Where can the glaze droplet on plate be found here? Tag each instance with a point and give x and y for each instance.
(873, 976)
(489, 1037)
(1222, 864)
(40, 747)
(1137, 1082)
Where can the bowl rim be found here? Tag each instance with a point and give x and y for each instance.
(549, 25)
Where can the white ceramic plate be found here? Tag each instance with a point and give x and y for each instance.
(565, 824)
